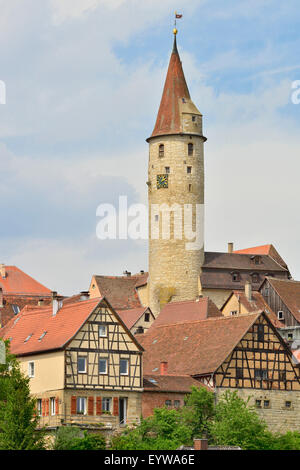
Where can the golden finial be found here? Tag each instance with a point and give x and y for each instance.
(175, 31)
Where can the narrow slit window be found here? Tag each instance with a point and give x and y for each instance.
(190, 150)
(189, 170)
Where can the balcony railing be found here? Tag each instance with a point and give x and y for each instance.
(104, 421)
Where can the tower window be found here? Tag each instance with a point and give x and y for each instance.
(167, 169)
(161, 150)
(189, 170)
(190, 188)
(193, 118)
(190, 149)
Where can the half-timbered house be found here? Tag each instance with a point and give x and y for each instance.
(84, 364)
(244, 353)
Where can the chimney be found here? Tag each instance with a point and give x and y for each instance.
(41, 302)
(1, 298)
(230, 247)
(56, 303)
(127, 273)
(200, 444)
(84, 295)
(248, 290)
(142, 271)
(2, 271)
(163, 368)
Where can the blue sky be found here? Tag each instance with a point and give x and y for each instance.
(84, 79)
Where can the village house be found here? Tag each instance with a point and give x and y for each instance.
(243, 353)
(84, 364)
(138, 320)
(18, 289)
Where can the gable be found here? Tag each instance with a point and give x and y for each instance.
(260, 360)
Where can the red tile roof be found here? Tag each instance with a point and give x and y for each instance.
(10, 302)
(170, 383)
(131, 316)
(193, 348)
(17, 282)
(190, 310)
(120, 291)
(35, 321)
(169, 117)
(264, 250)
(289, 292)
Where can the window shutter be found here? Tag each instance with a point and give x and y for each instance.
(56, 405)
(47, 406)
(43, 407)
(73, 405)
(116, 406)
(91, 405)
(98, 406)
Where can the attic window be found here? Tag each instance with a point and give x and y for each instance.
(233, 313)
(42, 335)
(147, 317)
(161, 150)
(235, 277)
(280, 315)
(16, 309)
(28, 338)
(256, 259)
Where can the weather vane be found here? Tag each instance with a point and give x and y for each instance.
(177, 16)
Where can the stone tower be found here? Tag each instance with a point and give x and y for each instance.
(175, 193)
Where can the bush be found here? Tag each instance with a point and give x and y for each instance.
(72, 438)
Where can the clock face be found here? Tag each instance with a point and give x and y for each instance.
(162, 181)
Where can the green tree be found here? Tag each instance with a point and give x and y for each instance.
(198, 411)
(164, 430)
(72, 438)
(238, 424)
(18, 420)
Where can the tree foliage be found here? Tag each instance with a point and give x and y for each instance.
(198, 411)
(18, 420)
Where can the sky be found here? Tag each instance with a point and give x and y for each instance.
(83, 82)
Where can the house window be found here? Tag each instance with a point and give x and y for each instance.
(161, 150)
(103, 331)
(168, 403)
(52, 406)
(102, 366)
(190, 150)
(147, 317)
(255, 277)
(258, 403)
(139, 330)
(39, 406)
(288, 404)
(81, 364)
(156, 218)
(167, 169)
(81, 405)
(260, 374)
(233, 313)
(266, 403)
(31, 369)
(235, 277)
(260, 332)
(290, 336)
(282, 375)
(176, 403)
(123, 366)
(189, 170)
(280, 315)
(239, 373)
(106, 404)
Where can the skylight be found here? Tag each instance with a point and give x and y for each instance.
(28, 338)
(154, 370)
(153, 381)
(42, 335)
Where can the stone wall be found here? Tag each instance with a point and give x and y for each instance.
(277, 415)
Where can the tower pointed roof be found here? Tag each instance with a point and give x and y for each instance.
(175, 99)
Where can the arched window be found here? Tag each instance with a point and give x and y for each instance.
(161, 150)
(190, 149)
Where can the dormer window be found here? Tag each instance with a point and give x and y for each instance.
(256, 259)
(255, 277)
(190, 150)
(236, 277)
(161, 150)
